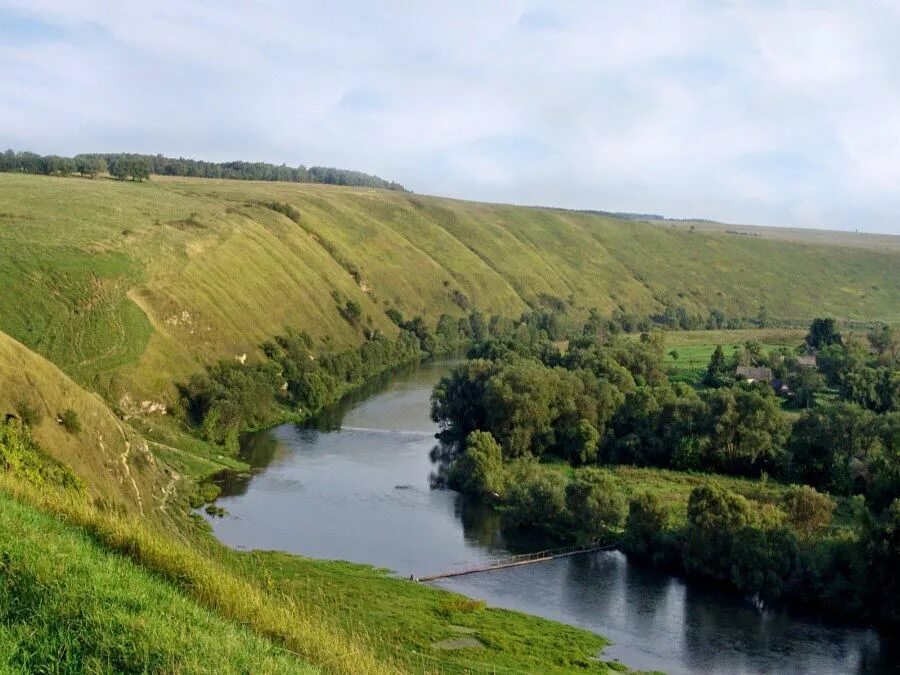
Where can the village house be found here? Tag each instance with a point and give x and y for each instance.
(754, 373)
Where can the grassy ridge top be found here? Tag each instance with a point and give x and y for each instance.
(129, 287)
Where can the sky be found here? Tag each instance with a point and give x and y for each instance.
(765, 112)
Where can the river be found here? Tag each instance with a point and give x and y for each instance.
(357, 486)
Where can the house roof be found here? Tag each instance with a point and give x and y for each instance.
(807, 360)
(754, 373)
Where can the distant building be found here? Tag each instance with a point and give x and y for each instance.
(754, 374)
(807, 361)
(781, 388)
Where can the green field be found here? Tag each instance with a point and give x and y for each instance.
(694, 348)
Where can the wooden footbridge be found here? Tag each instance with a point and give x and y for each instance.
(517, 560)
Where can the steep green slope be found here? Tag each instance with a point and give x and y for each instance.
(66, 605)
(129, 287)
(115, 463)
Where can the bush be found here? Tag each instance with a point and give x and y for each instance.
(538, 500)
(479, 469)
(595, 504)
(351, 311)
(204, 494)
(68, 418)
(807, 510)
(21, 456)
(30, 415)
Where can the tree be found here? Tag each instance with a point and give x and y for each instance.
(595, 504)
(806, 383)
(745, 430)
(830, 447)
(139, 169)
(883, 552)
(807, 510)
(885, 340)
(478, 326)
(646, 526)
(823, 332)
(537, 499)
(119, 168)
(876, 388)
(717, 370)
(580, 442)
(458, 400)
(90, 165)
(715, 517)
(479, 468)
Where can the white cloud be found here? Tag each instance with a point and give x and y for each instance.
(776, 112)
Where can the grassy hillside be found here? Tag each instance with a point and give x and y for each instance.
(127, 287)
(115, 463)
(67, 605)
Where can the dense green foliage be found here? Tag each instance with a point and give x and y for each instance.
(521, 400)
(122, 165)
(232, 397)
(295, 380)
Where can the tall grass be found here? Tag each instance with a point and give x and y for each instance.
(302, 630)
(69, 606)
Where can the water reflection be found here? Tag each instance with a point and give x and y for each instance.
(357, 485)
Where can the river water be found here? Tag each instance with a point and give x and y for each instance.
(357, 486)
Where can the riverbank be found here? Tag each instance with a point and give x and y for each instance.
(427, 628)
(357, 487)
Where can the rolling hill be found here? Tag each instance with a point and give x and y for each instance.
(128, 287)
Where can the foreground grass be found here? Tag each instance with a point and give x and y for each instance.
(410, 622)
(68, 605)
(304, 631)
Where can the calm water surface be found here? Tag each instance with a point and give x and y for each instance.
(357, 486)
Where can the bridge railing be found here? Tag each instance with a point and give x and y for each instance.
(509, 561)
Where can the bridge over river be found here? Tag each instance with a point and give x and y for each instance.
(516, 560)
